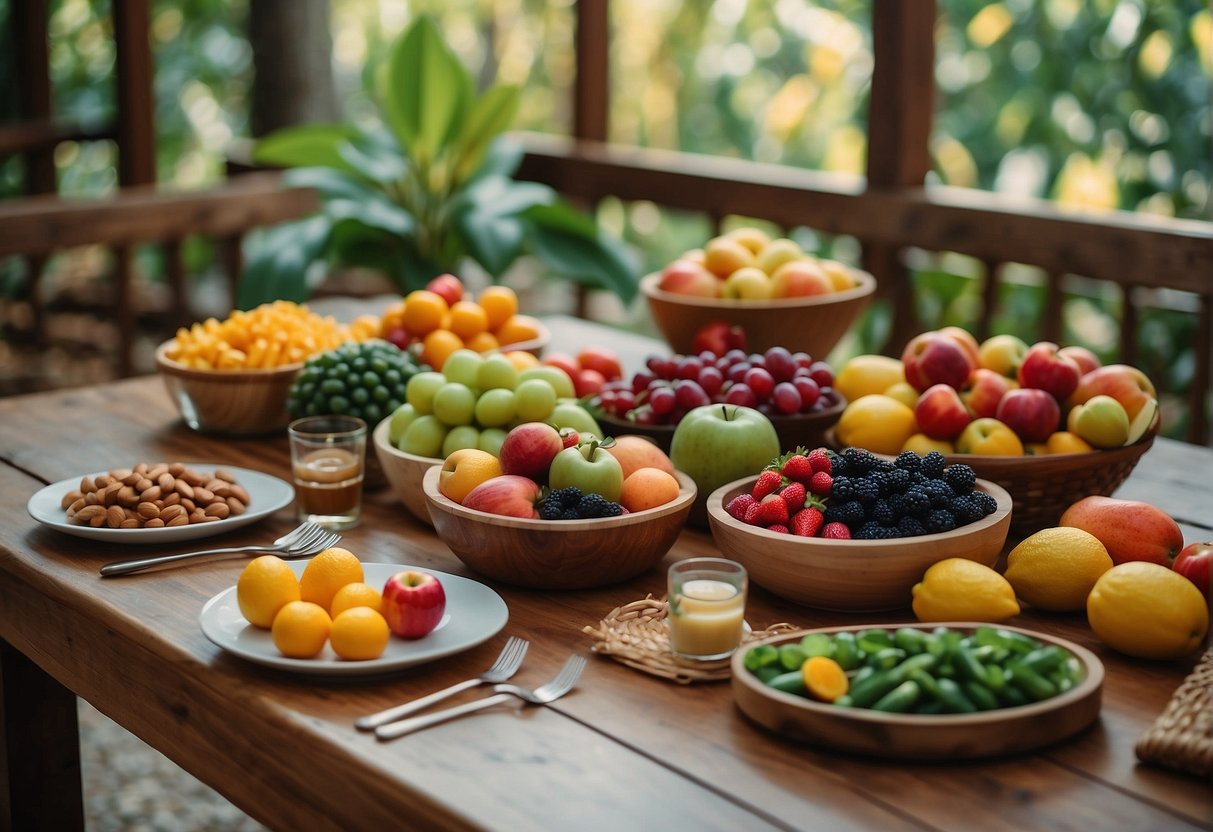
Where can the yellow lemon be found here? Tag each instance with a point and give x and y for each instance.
(876, 422)
(359, 634)
(1146, 610)
(864, 375)
(904, 392)
(922, 445)
(264, 587)
(1055, 569)
(353, 595)
(300, 630)
(328, 572)
(957, 589)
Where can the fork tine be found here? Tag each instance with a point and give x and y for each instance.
(567, 677)
(510, 657)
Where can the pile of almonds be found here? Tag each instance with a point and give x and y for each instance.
(154, 495)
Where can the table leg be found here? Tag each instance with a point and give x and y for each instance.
(39, 748)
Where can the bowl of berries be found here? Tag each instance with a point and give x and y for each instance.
(850, 531)
(792, 389)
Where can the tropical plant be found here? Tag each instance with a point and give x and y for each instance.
(416, 195)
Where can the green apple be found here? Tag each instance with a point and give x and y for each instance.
(1002, 353)
(558, 378)
(1101, 420)
(463, 436)
(587, 466)
(399, 421)
(572, 415)
(491, 439)
(718, 443)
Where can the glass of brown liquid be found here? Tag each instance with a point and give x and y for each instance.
(328, 455)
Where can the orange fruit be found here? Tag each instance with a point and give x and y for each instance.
(482, 342)
(359, 634)
(265, 586)
(499, 304)
(353, 595)
(300, 630)
(437, 347)
(468, 319)
(423, 311)
(518, 328)
(465, 469)
(647, 488)
(328, 572)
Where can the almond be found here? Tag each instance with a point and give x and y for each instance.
(167, 482)
(154, 523)
(71, 497)
(120, 473)
(203, 496)
(239, 493)
(114, 516)
(169, 513)
(98, 521)
(76, 506)
(188, 504)
(179, 520)
(176, 468)
(127, 495)
(90, 498)
(226, 476)
(110, 495)
(130, 523)
(172, 499)
(89, 512)
(143, 484)
(235, 505)
(87, 485)
(150, 494)
(156, 471)
(218, 510)
(148, 510)
(184, 489)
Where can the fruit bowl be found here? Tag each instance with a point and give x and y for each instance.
(850, 575)
(404, 472)
(235, 402)
(535, 346)
(911, 736)
(558, 554)
(812, 324)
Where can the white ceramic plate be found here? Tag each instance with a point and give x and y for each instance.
(266, 495)
(474, 614)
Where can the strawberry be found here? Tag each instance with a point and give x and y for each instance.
(771, 510)
(778, 527)
(821, 484)
(806, 522)
(836, 531)
(751, 513)
(768, 481)
(797, 468)
(738, 505)
(819, 459)
(794, 495)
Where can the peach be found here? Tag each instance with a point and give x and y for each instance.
(966, 340)
(682, 277)
(723, 256)
(747, 283)
(647, 488)
(1128, 529)
(755, 239)
(1128, 385)
(636, 452)
(777, 252)
(800, 278)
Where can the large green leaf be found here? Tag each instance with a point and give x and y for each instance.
(375, 213)
(486, 219)
(307, 145)
(503, 157)
(489, 116)
(427, 91)
(277, 262)
(332, 184)
(573, 248)
(375, 160)
(355, 244)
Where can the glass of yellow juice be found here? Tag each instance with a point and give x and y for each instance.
(328, 455)
(707, 607)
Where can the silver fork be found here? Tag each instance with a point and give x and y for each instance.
(505, 666)
(553, 690)
(307, 539)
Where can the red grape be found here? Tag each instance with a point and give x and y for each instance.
(734, 356)
(707, 357)
(625, 400)
(711, 380)
(688, 394)
(802, 359)
(741, 394)
(779, 363)
(760, 381)
(661, 367)
(809, 392)
(786, 398)
(736, 373)
(821, 373)
(688, 368)
(662, 401)
(641, 380)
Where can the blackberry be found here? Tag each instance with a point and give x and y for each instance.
(882, 512)
(591, 505)
(899, 480)
(966, 510)
(550, 510)
(881, 478)
(838, 465)
(843, 488)
(612, 510)
(871, 530)
(570, 514)
(897, 502)
(940, 520)
(917, 503)
(918, 478)
(566, 497)
(909, 462)
(987, 503)
(859, 460)
(884, 466)
(961, 477)
(939, 492)
(850, 513)
(866, 491)
(910, 527)
(933, 464)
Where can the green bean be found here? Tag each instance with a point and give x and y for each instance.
(886, 659)
(953, 697)
(900, 699)
(791, 657)
(790, 682)
(1044, 660)
(766, 673)
(867, 691)
(979, 695)
(909, 639)
(968, 667)
(1032, 683)
(846, 651)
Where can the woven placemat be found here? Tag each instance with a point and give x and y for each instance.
(1182, 737)
(638, 636)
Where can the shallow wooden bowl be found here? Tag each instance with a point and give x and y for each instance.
(558, 554)
(404, 472)
(235, 402)
(850, 575)
(809, 324)
(910, 736)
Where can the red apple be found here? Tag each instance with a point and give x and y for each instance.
(682, 277)
(569, 437)
(800, 278)
(1128, 385)
(940, 413)
(966, 340)
(719, 337)
(601, 360)
(1044, 368)
(399, 336)
(448, 287)
(528, 450)
(931, 358)
(508, 495)
(563, 361)
(1033, 414)
(588, 382)
(413, 603)
(986, 389)
(1083, 357)
(1193, 563)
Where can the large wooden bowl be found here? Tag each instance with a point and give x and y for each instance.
(558, 554)
(809, 324)
(910, 736)
(234, 402)
(850, 575)
(404, 472)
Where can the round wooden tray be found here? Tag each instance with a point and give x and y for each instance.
(910, 736)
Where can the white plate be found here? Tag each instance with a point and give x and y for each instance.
(474, 614)
(266, 495)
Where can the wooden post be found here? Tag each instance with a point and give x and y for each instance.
(136, 127)
(592, 86)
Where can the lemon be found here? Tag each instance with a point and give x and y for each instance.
(359, 634)
(957, 589)
(328, 572)
(264, 587)
(864, 375)
(876, 422)
(300, 630)
(1055, 569)
(1146, 610)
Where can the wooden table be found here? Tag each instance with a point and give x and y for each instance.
(624, 751)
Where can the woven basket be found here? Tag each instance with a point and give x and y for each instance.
(1182, 737)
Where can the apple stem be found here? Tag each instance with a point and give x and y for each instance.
(724, 409)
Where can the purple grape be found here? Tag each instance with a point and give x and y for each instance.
(779, 363)
(688, 394)
(786, 398)
(741, 394)
(760, 381)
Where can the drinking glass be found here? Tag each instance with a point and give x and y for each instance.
(707, 607)
(328, 458)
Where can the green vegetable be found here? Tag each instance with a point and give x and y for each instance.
(979, 695)
(953, 698)
(846, 651)
(364, 379)
(791, 656)
(910, 640)
(790, 682)
(817, 644)
(899, 700)
(1032, 683)
(760, 656)
(886, 658)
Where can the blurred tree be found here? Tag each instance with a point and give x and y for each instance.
(292, 64)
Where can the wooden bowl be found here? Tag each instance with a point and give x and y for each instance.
(850, 575)
(235, 402)
(558, 554)
(809, 324)
(404, 471)
(911, 736)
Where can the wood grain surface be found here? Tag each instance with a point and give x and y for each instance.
(624, 750)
